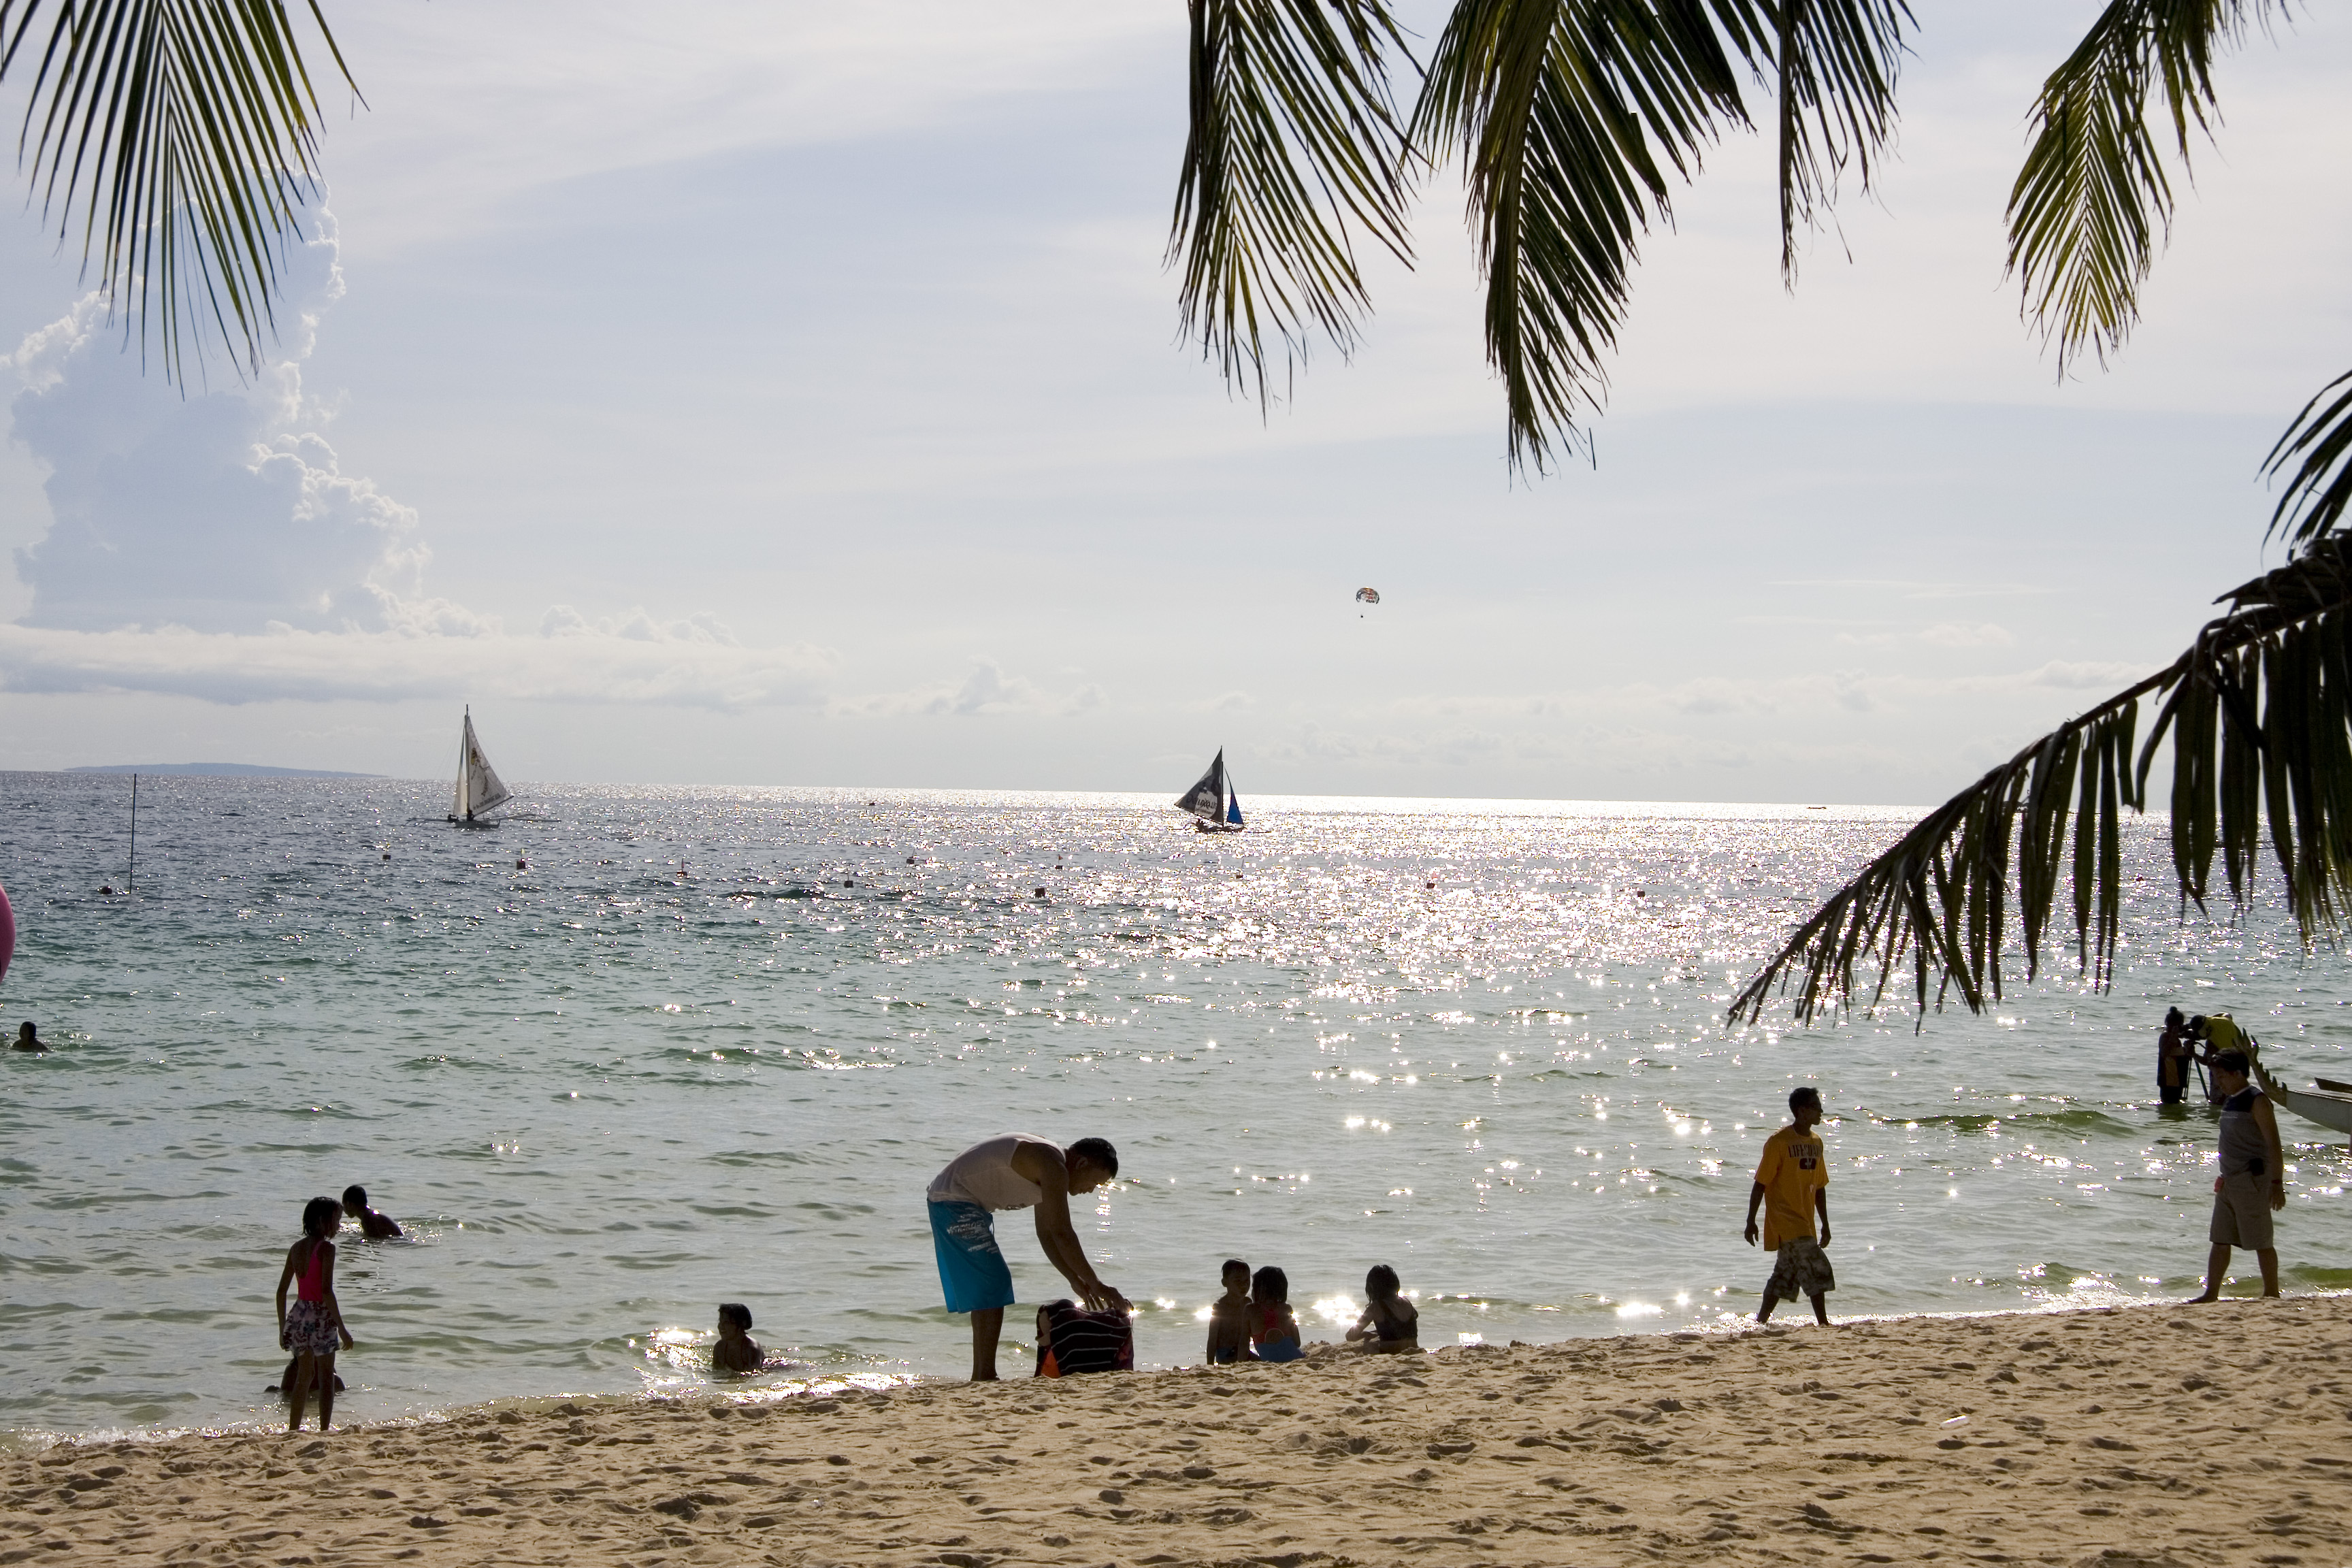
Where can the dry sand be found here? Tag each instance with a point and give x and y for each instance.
(2153, 1435)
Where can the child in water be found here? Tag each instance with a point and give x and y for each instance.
(1390, 1324)
(1228, 1326)
(736, 1352)
(375, 1226)
(315, 1323)
(1273, 1329)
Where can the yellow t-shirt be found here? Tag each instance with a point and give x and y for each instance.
(2222, 1032)
(1795, 1166)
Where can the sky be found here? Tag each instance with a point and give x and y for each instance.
(760, 392)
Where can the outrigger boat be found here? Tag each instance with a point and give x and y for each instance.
(479, 788)
(2327, 1102)
(1214, 806)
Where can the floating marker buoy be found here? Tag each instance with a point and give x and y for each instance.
(1041, 892)
(387, 855)
(521, 864)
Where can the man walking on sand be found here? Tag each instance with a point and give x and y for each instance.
(1793, 1184)
(2253, 1181)
(1014, 1172)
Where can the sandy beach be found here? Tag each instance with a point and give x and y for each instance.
(2145, 1436)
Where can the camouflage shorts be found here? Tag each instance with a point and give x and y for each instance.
(1802, 1269)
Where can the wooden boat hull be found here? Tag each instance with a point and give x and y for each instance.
(2333, 1111)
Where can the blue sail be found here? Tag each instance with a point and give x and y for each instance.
(1232, 806)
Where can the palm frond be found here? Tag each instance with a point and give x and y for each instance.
(1295, 145)
(1569, 114)
(2259, 709)
(1573, 117)
(1835, 61)
(2091, 205)
(2321, 436)
(185, 132)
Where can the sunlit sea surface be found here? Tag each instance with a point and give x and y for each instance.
(711, 1044)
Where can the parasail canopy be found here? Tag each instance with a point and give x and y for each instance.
(1368, 595)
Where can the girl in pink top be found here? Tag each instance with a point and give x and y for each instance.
(311, 1328)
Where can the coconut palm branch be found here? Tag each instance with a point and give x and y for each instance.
(2321, 487)
(1573, 118)
(2092, 205)
(1294, 145)
(2259, 711)
(183, 134)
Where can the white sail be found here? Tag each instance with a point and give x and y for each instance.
(479, 788)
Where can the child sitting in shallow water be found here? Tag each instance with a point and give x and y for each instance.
(737, 1350)
(1390, 1324)
(1229, 1317)
(1274, 1328)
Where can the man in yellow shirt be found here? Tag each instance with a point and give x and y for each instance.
(1791, 1185)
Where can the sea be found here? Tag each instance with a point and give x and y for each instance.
(637, 1052)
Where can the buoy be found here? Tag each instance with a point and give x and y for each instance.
(1041, 892)
(521, 864)
(387, 854)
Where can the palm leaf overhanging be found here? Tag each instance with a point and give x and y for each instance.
(2259, 709)
(2091, 205)
(186, 132)
(1569, 116)
(1294, 143)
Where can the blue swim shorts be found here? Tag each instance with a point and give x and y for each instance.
(973, 1272)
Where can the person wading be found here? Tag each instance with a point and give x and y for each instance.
(1014, 1172)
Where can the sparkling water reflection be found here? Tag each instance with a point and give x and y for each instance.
(706, 1046)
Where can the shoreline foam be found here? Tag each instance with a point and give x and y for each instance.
(2115, 1436)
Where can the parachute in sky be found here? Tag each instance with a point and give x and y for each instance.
(1368, 595)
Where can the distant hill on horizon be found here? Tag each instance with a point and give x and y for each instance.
(219, 769)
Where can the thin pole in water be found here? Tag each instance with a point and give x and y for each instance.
(130, 884)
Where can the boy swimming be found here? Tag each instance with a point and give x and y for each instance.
(374, 1225)
(737, 1350)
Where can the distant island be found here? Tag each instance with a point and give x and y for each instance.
(219, 771)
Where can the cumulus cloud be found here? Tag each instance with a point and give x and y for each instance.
(985, 691)
(205, 542)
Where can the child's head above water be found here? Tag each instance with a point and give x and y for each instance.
(1270, 1286)
(355, 1199)
(321, 1216)
(1381, 1282)
(735, 1315)
(1235, 1276)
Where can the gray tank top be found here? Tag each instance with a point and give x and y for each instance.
(2242, 1144)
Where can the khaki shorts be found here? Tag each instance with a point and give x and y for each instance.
(2242, 1211)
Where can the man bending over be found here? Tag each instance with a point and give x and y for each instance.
(1014, 1172)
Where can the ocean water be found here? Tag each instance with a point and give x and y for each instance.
(711, 1044)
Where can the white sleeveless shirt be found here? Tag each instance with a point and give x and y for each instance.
(983, 1174)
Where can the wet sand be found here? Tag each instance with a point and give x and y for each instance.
(2141, 1436)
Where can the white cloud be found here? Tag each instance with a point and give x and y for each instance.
(209, 544)
(1967, 634)
(696, 671)
(986, 691)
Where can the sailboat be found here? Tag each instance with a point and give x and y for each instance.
(479, 788)
(1212, 802)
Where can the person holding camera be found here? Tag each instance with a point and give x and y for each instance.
(2253, 1177)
